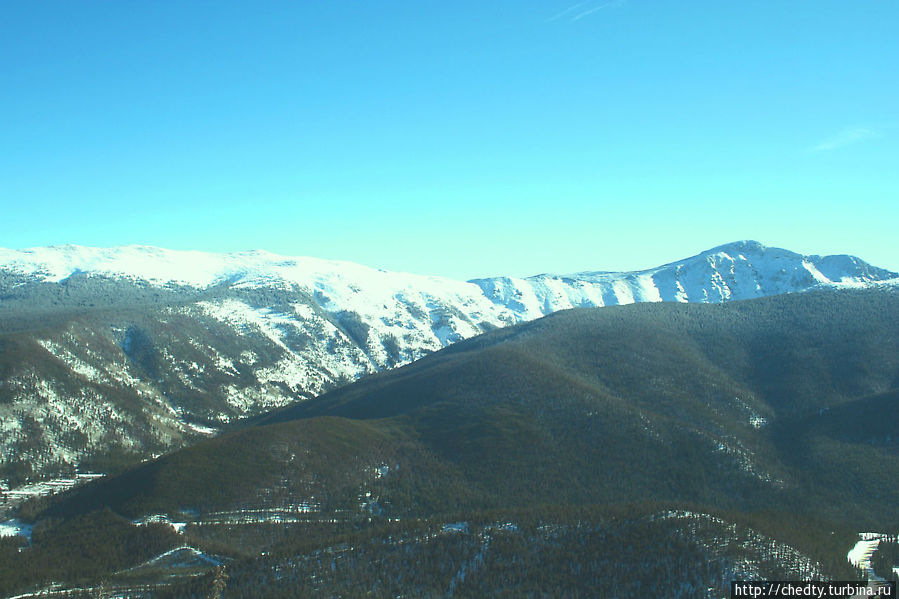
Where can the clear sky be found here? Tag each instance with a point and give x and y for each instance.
(462, 138)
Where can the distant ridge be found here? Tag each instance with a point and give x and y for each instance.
(739, 270)
(259, 267)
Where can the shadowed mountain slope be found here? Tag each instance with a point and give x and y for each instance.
(556, 409)
(763, 412)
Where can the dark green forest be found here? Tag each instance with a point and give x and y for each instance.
(638, 448)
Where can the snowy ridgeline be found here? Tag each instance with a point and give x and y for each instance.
(739, 270)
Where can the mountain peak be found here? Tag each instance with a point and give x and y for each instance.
(741, 246)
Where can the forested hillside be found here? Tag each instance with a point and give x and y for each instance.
(749, 437)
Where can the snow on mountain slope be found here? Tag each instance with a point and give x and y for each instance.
(143, 349)
(740, 270)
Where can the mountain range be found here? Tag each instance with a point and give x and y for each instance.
(659, 449)
(109, 356)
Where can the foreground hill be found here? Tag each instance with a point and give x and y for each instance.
(653, 446)
(111, 355)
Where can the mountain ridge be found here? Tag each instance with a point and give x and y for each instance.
(74, 259)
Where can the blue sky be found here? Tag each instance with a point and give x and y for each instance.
(458, 138)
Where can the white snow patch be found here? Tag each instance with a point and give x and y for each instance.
(647, 289)
(238, 314)
(860, 554)
(816, 274)
(623, 292)
(203, 430)
(681, 293)
(15, 528)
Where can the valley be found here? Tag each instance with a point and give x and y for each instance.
(629, 447)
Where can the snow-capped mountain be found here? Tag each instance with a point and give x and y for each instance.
(739, 270)
(142, 348)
